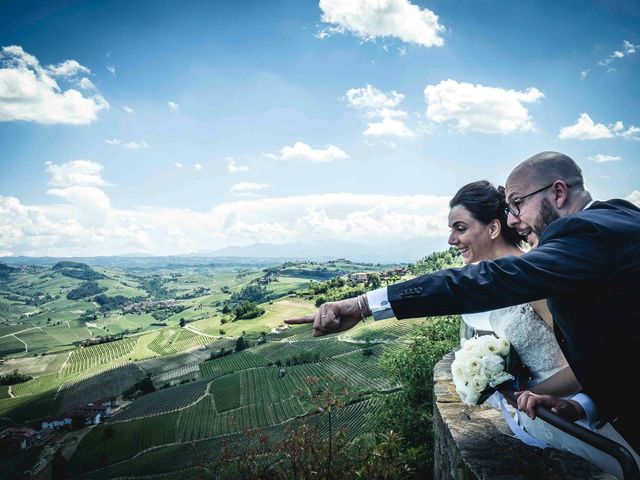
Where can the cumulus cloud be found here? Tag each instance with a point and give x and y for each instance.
(600, 158)
(634, 197)
(301, 152)
(128, 109)
(131, 145)
(173, 106)
(479, 108)
(178, 164)
(112, 70)
(198, 167)
(68, 68)
(369, 97)
(389, 127)
(234, 167)
(371, 19)
(376, 104)
(29, 92)
(75, 173)
(586, 129)
(74, 228)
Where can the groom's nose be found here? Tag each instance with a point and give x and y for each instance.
(512, 220)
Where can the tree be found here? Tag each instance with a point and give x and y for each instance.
(240, 344)
(182, 322)
(373, 281)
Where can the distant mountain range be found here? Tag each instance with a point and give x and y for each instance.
(263, 254)
(398, 251)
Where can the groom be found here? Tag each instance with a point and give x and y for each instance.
(586, 264)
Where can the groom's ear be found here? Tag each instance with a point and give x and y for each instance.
(560, 193)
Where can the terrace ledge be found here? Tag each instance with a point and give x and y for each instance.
(475, 443)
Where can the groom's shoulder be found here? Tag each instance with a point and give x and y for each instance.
(600, 217)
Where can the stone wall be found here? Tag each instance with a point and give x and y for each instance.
(475, 443)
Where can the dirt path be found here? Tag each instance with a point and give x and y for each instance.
(26, 347)
(14, 333)
(198, 332)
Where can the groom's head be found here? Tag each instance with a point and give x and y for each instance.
(541, 189)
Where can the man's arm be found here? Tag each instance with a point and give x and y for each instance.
(560, 384)
(569, 256)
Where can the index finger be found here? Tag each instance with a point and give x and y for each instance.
(301, 320)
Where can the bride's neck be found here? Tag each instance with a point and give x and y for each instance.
(502, 249)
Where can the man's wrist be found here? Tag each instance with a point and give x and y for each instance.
(363, 304)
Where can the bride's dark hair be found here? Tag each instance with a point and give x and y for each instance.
(486, 203)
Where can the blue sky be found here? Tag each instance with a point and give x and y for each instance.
(175, 127)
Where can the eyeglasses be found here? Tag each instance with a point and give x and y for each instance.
(513, 207)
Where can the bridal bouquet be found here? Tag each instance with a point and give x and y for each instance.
(479, 366)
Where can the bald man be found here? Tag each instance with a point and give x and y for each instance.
(586, 264)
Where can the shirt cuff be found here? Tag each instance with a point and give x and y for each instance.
(589, 409)
(379, 304)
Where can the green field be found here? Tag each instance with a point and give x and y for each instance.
(167, 323)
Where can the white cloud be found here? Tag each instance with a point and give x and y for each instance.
(479, 108)
(370, 97)
(75, 173)
(86, 84)
(628, 48)
(28, 92)
(128, 109)
(248, 187)
(178, 164)
(111, 69)
(377, 104)
(371, 19)
(131, 145)
(301, 152)
(234, 167)
(584, 73)
(634, 197)
(173, 106)
(85, 223)
(68, 68)
(600, 158)
(198, 167)
(389, 127)
(586, 129)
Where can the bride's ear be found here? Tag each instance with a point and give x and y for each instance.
(494, 229)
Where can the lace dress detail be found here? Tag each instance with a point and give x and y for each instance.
(531, 337)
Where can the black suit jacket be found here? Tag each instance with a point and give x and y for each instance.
(587, 266)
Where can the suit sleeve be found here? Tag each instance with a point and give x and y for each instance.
(569, 257)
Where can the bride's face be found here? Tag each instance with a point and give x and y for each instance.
(472, 238)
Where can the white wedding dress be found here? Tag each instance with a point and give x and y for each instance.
(534, 341)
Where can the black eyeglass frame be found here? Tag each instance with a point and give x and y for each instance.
(513, 207)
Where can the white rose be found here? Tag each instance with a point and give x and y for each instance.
(478, 383)
(457, 370)
(472, 365)
(505, 346)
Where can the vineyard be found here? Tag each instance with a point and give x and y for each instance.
(206, 394)
(85, 358)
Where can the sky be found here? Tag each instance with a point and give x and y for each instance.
(171, 128)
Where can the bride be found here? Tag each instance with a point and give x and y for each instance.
(479, 231)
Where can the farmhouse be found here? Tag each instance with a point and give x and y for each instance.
(56, 423)
(358, 277)
(21, 436)
(280, 329)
